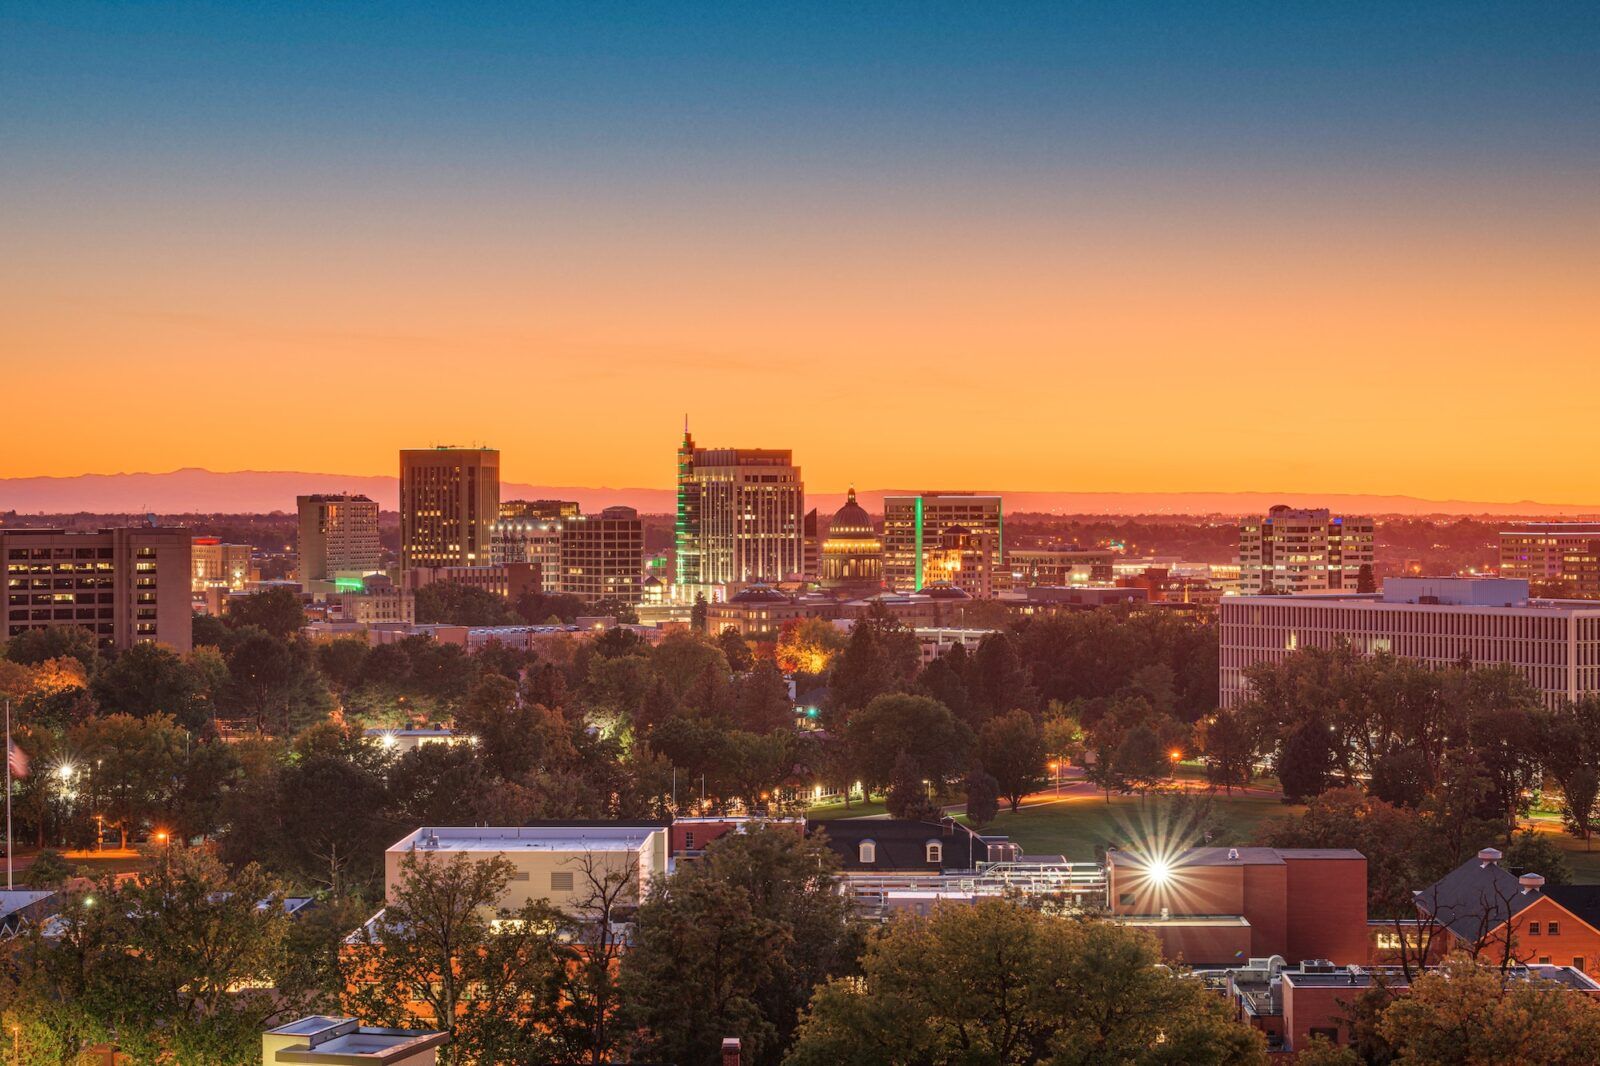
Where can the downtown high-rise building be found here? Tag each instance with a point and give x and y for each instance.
(943, 537)
(1290, 552)
(1537, 551)
(449, 503)
(602, 556)
(126, 586)
(740, 517)
(338, 541)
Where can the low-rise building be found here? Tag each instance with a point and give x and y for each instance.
(322, 1039)
(551, 862)
(505, 580)
(1211, 906)
(1489, 911)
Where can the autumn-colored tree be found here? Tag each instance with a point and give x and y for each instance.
(1468, 1013)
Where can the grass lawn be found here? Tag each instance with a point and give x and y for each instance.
(1080, 827)
(857, 809)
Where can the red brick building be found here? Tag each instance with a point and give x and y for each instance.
(1224, 905)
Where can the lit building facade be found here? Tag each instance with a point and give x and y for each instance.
(1290, 551)
(449, 502)
(537, 510)
(1536, 551)
(215, 565)
(507, 580)
(1060, 566)
(914, 548)
(602, 556)
(740, 517)
(1438, 621)
(852, 553)
(337, 541)
(529, 540)
(126, 585)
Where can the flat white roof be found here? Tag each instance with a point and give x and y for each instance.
(527, 838)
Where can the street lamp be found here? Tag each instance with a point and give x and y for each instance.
(1055, 771)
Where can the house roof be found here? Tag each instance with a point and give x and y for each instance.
(900, 844)
(1475, 898)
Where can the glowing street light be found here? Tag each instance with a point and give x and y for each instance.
(65, 771)
(1158, 871)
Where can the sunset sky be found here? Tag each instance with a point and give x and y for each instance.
(1091, 247)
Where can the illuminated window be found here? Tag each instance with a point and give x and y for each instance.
(935, 851)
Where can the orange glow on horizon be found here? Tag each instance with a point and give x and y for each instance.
(1122, 345)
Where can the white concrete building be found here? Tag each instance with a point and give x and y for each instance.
(1439, 621)
(551, 862)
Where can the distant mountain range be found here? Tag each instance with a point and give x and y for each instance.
(260, 491)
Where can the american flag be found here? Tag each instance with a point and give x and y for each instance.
(17, 760)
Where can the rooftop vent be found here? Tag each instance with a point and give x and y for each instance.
(1317, 966)
(1233, 854)
(1489, 856)
(1530, 882)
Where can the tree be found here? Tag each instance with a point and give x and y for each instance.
(881, 657)
(997, 679)
(1305, 761)
(752, 926)
(1011, 747)
(453, 603)
(181, 964)
(131, 764)
(1366, 580)
(513, 737)
(34, 646)
(538, 608)
(983, 798)
(907, 794)
(433, 959)
(1534, 852)
(1142, 759)
(273, 682)
(808, 645)
(998, 983)
(736, 649)
(276, 611)
(48, 869)
(761, 701)
(1227, 746)
(1573, 761)
(1468, 1013)
(916, 726)
(148, 679)
(683, 660)
(697, 613)
(342, 661)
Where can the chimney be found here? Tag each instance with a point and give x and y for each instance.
(1489, 857)
(1530, 882)
(730, 1051)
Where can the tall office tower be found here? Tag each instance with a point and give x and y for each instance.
(1536, 551)
(552, 510)
(741, 516)
(1292, 552)
(124, 585)
(338, 541)
(602, 556)
(914, 528)
(449, 500)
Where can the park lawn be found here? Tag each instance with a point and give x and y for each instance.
(823, 812)
(1080, 827)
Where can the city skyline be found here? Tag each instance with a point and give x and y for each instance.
(1365, 239)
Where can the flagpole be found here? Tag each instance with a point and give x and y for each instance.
(9, 885)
